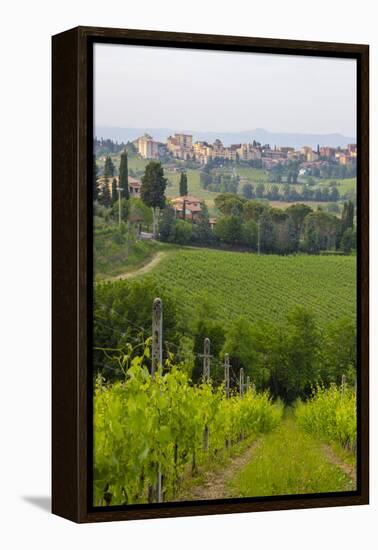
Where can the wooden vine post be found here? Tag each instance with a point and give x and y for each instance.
(206, 379)
(157, 335)
(156, 363)
(241, 381)
(227, 375)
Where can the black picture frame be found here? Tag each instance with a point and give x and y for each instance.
(72, 138)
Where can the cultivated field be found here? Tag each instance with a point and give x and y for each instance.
(259, 287)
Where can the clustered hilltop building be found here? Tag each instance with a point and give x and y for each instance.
(181, 146)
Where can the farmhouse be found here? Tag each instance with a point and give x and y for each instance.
(212, 222)
(187, 207)
(134, 187)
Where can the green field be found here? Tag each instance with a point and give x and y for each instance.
(135, 162)
(347, 184)
(259, 287)
(254, 175)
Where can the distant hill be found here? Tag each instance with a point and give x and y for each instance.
(259, 134)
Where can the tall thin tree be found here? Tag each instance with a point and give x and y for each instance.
(108, 167)
(114, 193)
(152, 190)
(95, 181)
(183, 184)
(124, 176)
(106, 197)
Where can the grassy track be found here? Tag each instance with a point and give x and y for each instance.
(113, 258)
(289, 461)
(259, 287)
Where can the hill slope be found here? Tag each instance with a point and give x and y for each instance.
(259, 287)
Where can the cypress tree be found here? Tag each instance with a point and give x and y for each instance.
(95, 182)
(106, 198)
(183, 185)
(124, 176)
(347, 216)
(152, 190)
(108, 167)
(114, 194)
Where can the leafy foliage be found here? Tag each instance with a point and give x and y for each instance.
(153, 185)
(142, 422)
(330, 414)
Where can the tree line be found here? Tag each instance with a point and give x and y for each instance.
(243, 222)
(273, 230)
(290, 193)
(109, 191)
(289, 357)
(255, 226)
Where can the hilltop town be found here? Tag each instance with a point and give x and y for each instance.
(181, 146)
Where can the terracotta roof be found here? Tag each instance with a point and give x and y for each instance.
(193, 208)
(133, 182)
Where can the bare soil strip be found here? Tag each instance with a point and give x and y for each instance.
(153, 262)
(332, 457)
(215, 484)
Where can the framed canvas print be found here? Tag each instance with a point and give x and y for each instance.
(210, 274)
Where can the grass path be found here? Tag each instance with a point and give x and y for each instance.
(283, 462)
(215, 483)
(289, 461)
(144, 268)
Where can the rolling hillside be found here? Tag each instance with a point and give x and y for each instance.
(259, 287)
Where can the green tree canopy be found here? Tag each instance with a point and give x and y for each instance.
(153, 187)
(226, 203)
(139, 212)
(228, 229)
(320, 231)
(248, 190)
(114, 192)
(181, 232)
(105, 198)
(252, 210)
(239, 344)
(96, 190)
(297, 213)
(266, 232)
(125, 209)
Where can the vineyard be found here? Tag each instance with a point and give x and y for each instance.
(155, 430)
(331, 415)
(261, 288)
(148, 429)
(153, 434)
(165, 427)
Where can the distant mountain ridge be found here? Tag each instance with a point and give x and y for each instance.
(285, 139)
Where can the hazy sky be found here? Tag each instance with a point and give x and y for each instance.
(198, 90)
